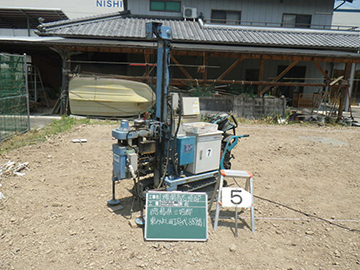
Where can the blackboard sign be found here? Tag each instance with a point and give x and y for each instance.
(176, 216)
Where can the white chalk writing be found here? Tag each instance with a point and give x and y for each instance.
(178, 197)
(188, 222)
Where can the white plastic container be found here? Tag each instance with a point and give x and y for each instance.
(200, 127)
(207, 152)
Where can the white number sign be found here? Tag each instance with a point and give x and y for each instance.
(235, 197)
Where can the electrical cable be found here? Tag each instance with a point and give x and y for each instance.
(176, 166)
(168, 148)
(315, 218)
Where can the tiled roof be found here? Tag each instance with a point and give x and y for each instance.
(123, 26)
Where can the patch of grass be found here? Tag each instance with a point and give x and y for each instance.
(41, 135)
(264, 120)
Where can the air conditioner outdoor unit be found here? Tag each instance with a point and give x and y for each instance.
(190, 13)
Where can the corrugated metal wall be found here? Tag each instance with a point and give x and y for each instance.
(251, 10)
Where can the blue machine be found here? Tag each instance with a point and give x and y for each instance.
(186, 149)
(150, 151)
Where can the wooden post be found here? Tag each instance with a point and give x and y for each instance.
(261, 76)
(343, 88)
(147, 68)
(205, 63)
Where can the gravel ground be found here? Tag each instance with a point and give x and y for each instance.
(307, 206)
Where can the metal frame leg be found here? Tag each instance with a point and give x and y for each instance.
(113, 201)
(218, 203)
(252, 205)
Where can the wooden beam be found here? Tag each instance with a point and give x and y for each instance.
(279, 77)
(147, 60)
(322, 71)
(343, 89)
(180, 67)
(205, 63)
(250, 82)
(230, 69)
(276, 56)
(261, 76)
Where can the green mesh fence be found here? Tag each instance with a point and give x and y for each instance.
(14, 113)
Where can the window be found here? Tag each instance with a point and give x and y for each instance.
(296, 20)
(171, 6)
(225, 16)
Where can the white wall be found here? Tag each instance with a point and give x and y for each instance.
(251, 10)
(72, 8)
(16, 32)
(346, 18)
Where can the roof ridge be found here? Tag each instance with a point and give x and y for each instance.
(170, 18)
(43, 26)
(276, 29)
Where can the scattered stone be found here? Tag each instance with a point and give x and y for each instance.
(309, 232)
(132, 224)
(114, 208)
(232, 248)
(13, 219)
(73, 233)
(166, 246)
(337, 253)
(56, 204)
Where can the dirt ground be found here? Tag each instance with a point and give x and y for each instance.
(306, 182)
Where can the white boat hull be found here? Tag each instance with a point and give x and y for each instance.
(109, 97)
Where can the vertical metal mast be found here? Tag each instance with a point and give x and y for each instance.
(163, 35)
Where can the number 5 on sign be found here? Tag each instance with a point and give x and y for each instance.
(235, 197)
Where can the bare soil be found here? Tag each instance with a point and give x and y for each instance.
(307, 206)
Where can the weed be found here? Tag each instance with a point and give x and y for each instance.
(41, 135)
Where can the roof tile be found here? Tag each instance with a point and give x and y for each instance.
(123, 26)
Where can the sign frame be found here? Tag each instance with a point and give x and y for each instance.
(177, 204)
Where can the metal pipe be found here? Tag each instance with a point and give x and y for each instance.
(27, 90)
(135, 64)
(344, 1)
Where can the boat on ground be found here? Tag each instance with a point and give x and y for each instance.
(94, 96)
